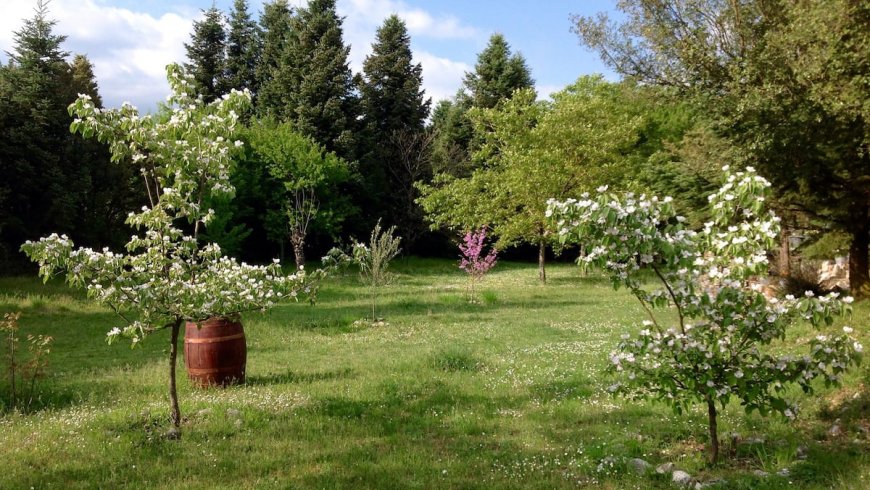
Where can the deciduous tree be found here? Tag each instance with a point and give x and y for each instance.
(786, 82)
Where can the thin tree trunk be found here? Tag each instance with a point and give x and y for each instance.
(12, 365)
(859, 275)
(714, 431)
(784, 253)
(299, 250)
(542, 255)
(175, 416)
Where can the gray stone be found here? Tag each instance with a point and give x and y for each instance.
(760, 473)
(682, 478)
(835, 430)
(639, 466)
(802, 452)
(665, 468)
(785, 472)
(232, 412)
(709, 483)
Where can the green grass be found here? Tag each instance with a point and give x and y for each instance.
(505, 393)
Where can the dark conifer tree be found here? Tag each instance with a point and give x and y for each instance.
(497, 74)
(318, 83)
(34, 127)
(275, 30)
(395, 110)
(52, 181)
(243, 49)
(206, 55)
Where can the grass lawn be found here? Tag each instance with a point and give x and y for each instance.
(508, 393)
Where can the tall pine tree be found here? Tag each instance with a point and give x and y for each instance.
(318, 83)
(33, 127)
(206, 56)
(275, 31)
(395, 109)
(52, 181)
(243, 49)
(497, 74)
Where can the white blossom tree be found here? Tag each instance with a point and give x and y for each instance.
(167, 276)
(719, 347)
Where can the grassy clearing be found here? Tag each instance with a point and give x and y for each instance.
(506, 393)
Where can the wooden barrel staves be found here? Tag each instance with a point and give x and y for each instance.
(215, 352)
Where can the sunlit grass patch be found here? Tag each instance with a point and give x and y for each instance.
(504, 393)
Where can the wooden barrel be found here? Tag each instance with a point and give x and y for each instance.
(215, 352)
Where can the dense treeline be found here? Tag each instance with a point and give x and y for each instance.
(53, 181)
(329, 152)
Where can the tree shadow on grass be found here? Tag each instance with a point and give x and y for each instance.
(296, 377)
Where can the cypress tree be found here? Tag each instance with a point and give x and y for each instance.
(243, 49)
(205, 54)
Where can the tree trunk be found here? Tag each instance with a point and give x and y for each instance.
(784, 253)
(859, 275)
(714, 431)
(175, 416)
(12, 365)
(298, 242)
(542, 255)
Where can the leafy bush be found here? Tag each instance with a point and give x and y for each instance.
(716, 351)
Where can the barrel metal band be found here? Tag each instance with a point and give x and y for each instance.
(214, 339)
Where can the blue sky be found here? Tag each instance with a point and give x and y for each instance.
(130, 41)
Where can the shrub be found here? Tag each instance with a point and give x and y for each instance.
(374, 261)
(716, 350)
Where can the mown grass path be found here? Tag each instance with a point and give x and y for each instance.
(507, 393)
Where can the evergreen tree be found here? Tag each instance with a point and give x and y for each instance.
(83, 79)
(34, 124)
(497, 74)
(205, 54)
(317, 81)
(102, 191)
(52, 181)
(392, 96)
(395, 109)
(452, 130)
(243, 49)
(275, 31)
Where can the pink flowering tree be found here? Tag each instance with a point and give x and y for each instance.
(720, 346)
(473, 261)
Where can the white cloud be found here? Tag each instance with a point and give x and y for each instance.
(546, 91)
(441, 76)
(419, 21)
(129, 50)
